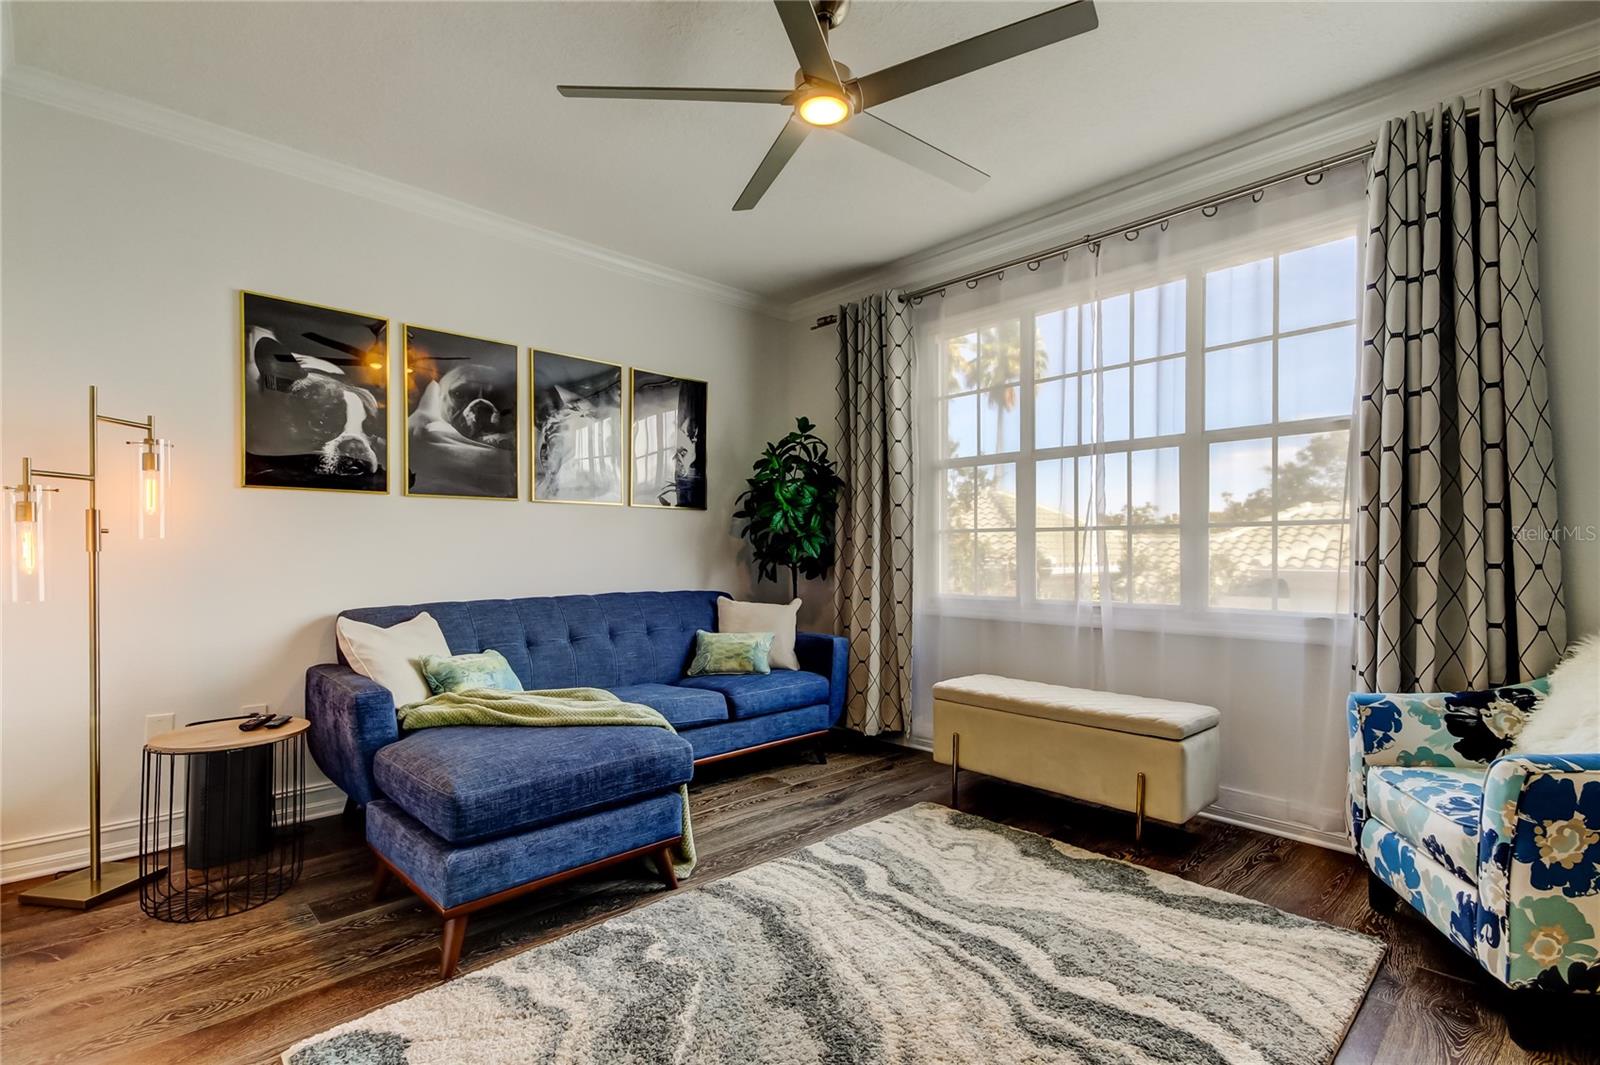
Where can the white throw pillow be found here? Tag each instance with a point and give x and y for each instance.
(389, 656)
(776, 618)
(1567, 721)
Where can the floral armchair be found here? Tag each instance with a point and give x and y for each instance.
(1501, 853)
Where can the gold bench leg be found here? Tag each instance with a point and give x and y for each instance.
(1138, 808)
(955, 767)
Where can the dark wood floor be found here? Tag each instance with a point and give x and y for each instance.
(112, 985)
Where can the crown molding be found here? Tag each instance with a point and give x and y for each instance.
(67, 94)
(1279, 145)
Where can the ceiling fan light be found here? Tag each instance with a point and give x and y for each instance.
(824, 109)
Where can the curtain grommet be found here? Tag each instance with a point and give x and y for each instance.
(1316, 177)
(1209, 210)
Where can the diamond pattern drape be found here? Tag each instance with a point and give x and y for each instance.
(1458, 581)
(873, 590)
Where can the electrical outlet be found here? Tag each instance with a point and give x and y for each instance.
(156, 724)
(253, 708)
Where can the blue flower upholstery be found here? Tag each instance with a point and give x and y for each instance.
(1500, 852)
(1436, 810)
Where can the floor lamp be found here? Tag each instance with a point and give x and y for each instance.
(28, 503)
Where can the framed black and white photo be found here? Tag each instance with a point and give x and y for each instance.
(577, 430)
(461, 416)
(316, 396)
(669, 441)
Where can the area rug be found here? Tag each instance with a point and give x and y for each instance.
(928, 936)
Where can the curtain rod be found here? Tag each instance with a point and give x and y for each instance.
(1311, 172)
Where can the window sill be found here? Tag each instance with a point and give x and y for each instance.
(1331, 629)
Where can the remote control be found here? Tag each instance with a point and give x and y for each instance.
(253, 722)
(279, 721)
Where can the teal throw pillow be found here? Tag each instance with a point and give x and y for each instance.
(459, 673)
(731, 652)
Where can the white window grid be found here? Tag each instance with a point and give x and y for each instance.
(1192, 445)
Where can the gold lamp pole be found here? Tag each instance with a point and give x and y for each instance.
(101, 880)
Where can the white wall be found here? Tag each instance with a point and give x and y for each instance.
(1568, 140)
(810, 387)
(1250, 687)
(122, 256)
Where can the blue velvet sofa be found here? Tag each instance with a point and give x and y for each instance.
(470, 816)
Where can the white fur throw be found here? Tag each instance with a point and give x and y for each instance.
(1567, 721)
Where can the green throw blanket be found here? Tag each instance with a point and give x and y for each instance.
(555, 708)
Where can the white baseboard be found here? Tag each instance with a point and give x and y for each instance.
(1298, 833)
(59, 852)
(1257, 822)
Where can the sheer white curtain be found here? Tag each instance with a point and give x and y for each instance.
(1132, 472)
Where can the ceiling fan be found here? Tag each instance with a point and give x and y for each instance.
(826, 95)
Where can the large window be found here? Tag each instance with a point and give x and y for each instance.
(1179, 443)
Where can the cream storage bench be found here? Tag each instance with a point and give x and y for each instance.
(1152, 757)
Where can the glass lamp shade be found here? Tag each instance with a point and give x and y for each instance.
(155, 479)
(26, 504)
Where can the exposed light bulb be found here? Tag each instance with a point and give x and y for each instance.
(155, 481)
(28, 548)
(26, 503)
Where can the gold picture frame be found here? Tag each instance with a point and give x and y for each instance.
(538, 423)
(288, 389)
(696, 415)
(461, 414)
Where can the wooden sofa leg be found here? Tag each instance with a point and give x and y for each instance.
(455, 932)
(380, 880)
(669, 875)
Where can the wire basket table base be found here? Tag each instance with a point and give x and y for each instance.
(222, 811)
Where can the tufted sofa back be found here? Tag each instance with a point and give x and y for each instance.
(565, 641)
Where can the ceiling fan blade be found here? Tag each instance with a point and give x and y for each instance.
(654, 92)
(978, 52)
(890, 139)
(777, 156)
(808, 39)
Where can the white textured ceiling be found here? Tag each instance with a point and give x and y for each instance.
(459, 99)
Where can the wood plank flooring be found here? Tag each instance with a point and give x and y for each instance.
(110, 985)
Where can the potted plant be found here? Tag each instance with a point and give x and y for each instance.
(790, 507)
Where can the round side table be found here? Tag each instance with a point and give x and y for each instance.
(221, 810)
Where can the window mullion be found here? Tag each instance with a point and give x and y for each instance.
(1193, 460)
(1027, 522)
(1277, 300)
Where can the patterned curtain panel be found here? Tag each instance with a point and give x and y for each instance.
(1459, 568)
(873, 593)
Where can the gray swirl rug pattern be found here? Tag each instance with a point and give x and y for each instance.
(928, 936)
